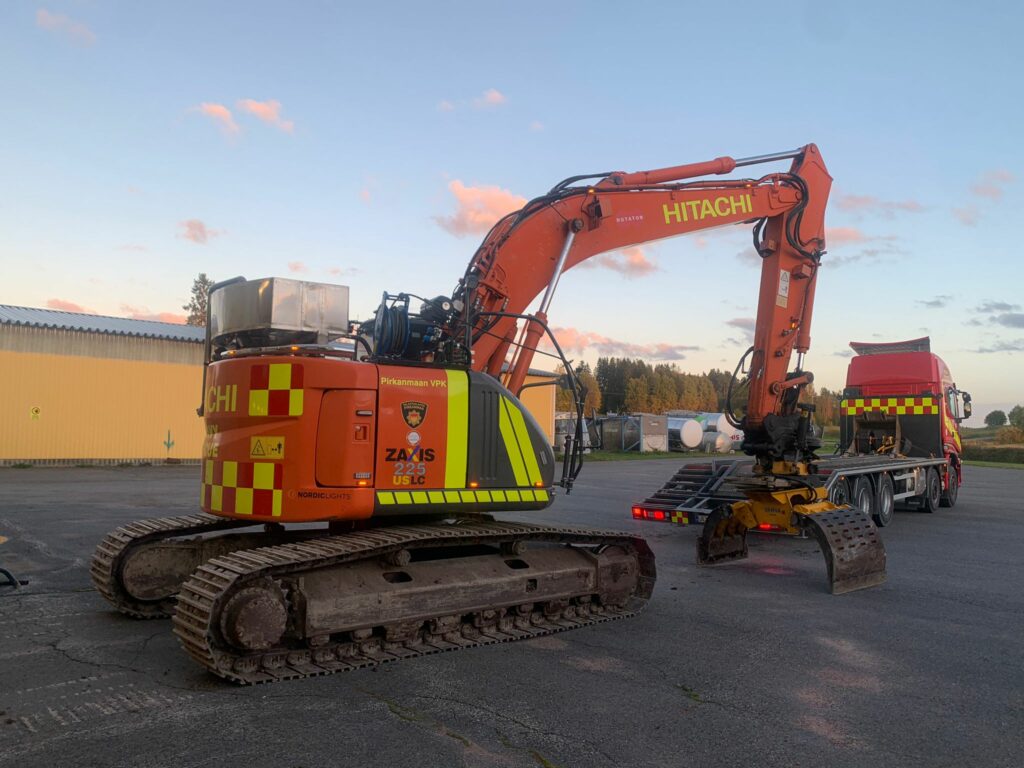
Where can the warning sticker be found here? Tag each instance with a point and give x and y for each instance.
(266, 447)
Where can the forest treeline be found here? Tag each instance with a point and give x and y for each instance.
(624, 385)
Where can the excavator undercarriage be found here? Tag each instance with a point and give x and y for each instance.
(275, 605)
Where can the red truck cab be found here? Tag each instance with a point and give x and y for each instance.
(901, 395)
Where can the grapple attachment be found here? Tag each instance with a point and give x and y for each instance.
(853, 550)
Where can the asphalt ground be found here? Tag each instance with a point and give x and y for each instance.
(747, 664)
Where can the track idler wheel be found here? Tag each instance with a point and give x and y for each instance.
(255, 617)
(722, 538)
(854, 553)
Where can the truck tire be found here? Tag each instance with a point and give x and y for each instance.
(949, 497)
(932, 491)
(839, 494)
(862, 496)
(885, 502)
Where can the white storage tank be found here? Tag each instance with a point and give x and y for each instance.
(684, 434)
(716, 442)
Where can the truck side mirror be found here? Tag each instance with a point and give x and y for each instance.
(967, 408)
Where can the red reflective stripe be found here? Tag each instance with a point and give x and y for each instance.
(244, 474)
(263, 502)
(296, 376)
(277, 402)
(228, 499)
(279, 476)
(259, 376)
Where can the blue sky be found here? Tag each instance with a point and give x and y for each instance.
(363, 120)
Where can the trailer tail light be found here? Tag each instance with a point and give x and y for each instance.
(638, 513)
(659, 514)
(768, 527)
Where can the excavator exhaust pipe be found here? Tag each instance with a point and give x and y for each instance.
(853, 550)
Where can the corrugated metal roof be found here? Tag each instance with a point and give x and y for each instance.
(118, 326)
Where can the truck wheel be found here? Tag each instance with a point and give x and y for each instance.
(840, 492)
(884, 501)
(949, 497)
(863, 498)
(932, 491)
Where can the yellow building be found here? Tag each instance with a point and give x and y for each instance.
(78, 388)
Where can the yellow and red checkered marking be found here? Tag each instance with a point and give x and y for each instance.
(243, 487)
(679, 518)
(894, 406)
(275, 389)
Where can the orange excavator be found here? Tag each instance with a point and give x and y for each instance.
(404, 437)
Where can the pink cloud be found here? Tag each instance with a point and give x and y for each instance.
(55, 22)
(536, 126)
(365, 195)
(991, 183)
(140, 313)
(478, 208)
(342, 271)
(220, 115)
(197, 231)
(267, 111)
(872, 204)
(492, 97)
(69, 306)
(297, 266)
(968, 215)
(631, 262)
(572, 339)
(839, 236)
(445, 106)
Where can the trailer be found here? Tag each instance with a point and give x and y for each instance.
(899, 444)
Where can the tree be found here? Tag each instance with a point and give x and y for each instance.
(1016, 417)
(637, 397)
(196, 306)
(592, 401)
(995, 419)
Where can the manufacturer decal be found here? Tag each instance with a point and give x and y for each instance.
(413, 438)
(409, 454)
(414, 413)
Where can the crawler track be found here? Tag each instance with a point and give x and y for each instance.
(110, 555)
(200, 614)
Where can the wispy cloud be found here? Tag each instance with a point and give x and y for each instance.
(58, 23)
(492, 97)
(936, 303)
(843, 353)
(69, 306)
(1010, 320)
(297, 266)
(196, 231)
(342, 271)
(991, 183)
(536, 126)
(142, 313)
(869, 204)
(968, 215)
(445, 106)
(1003, 346)
(220, 115)
(478, 208)
(267, 111)
(745, 324)
(996, 306)
(631, 262)
(572, 339)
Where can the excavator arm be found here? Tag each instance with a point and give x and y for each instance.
(525, 254)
